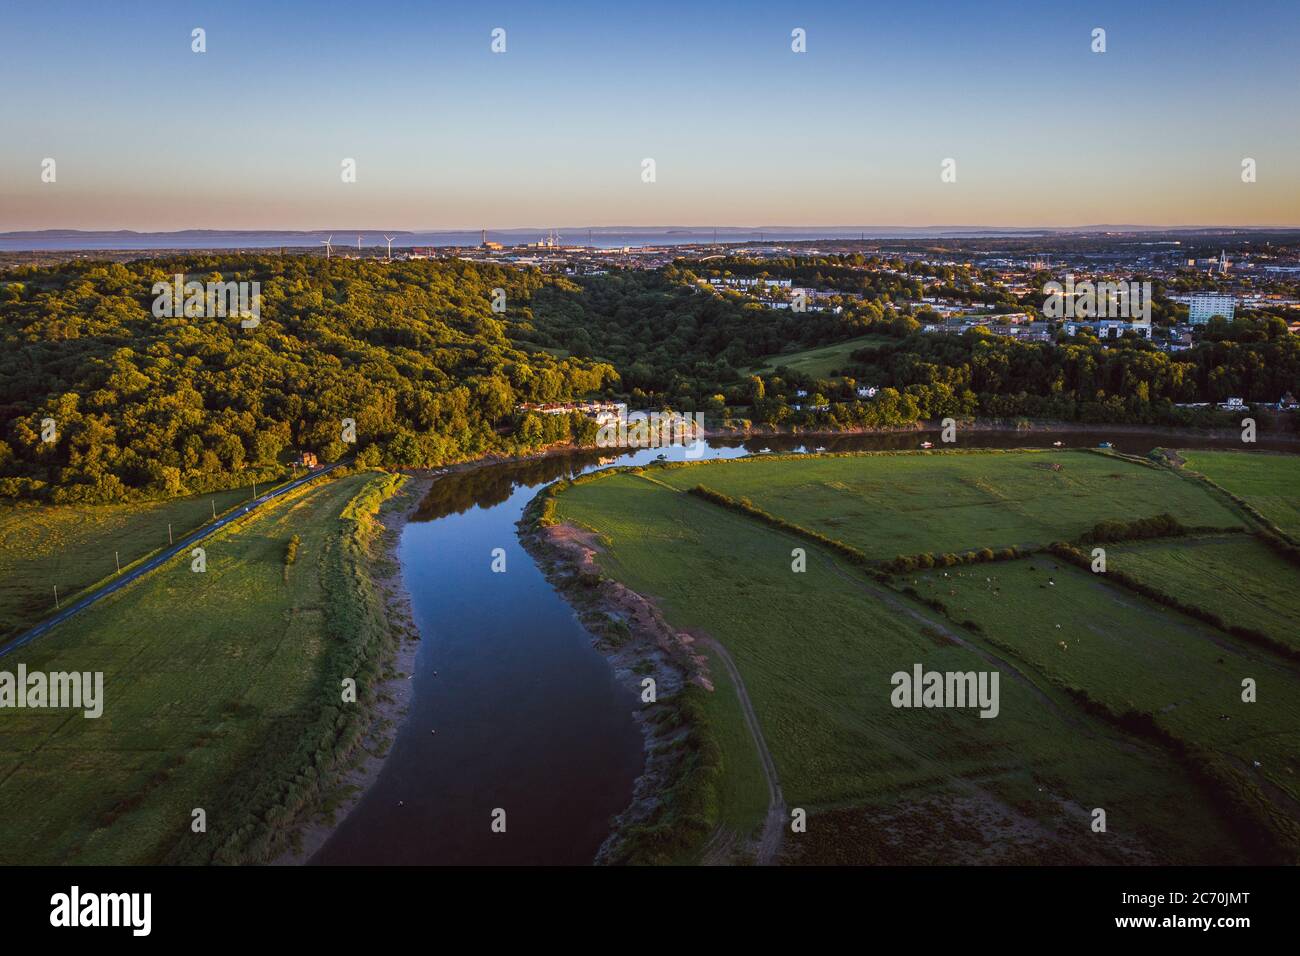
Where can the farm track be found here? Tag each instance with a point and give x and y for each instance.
(774, 826)
(769, 843)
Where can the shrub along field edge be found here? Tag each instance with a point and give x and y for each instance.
(275, 796)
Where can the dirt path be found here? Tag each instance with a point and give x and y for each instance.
(769, 843)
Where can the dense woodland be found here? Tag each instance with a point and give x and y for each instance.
(977, 374)
(414, 353)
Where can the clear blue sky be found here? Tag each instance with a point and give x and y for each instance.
(250, 134)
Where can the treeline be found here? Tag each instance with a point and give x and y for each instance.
(101, 401)
(854, 274)
(906, 563)
(1126, 382)
(1109, 531)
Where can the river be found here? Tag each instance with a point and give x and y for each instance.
(513, 708)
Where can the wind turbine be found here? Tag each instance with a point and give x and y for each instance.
(326, 244)
(390, 246)
(358, 247)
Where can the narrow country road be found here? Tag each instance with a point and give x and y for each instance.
(769, 843)
(25, 638)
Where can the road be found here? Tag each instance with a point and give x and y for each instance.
(134, 574)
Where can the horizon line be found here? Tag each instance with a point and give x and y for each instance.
(1092, 227)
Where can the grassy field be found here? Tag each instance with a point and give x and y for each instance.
(817, 650)
(1235, 576)
(1137, 657)
(822, 361)
(742, 801)
(1268, 482)
(888, 504)
(72, 546)
(214, 685)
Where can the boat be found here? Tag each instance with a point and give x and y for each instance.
(927, 444)
(1105, 444)
(1057, 444)
(765, 451)
(820, 448)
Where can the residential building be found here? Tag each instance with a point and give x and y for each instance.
(1110, 328)
(1203, 306)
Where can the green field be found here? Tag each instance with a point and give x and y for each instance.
(1269, 482)
(1134, 655)
(72, 547)
(821, 361)
(891, 504)
(817, 650)
(742, 802)
(219, 689)
(1235, 576)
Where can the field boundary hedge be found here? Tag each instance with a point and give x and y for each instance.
(746, 507)
(1251, 511)
(1068, 552)
(1232, 791)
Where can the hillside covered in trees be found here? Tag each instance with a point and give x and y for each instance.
(411, 352)
(415, 355)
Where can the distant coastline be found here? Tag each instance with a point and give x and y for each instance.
(604, 237)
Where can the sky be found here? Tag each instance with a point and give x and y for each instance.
(251, 134)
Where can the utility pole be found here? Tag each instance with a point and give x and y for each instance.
(214, 509)
(56, 597)
(117, 562)
(255, 489)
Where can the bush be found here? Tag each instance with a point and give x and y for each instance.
(1161, 526)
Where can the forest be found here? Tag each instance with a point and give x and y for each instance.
(140, 406)
(101, 400)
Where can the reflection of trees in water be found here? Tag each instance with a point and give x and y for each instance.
(491, 485)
